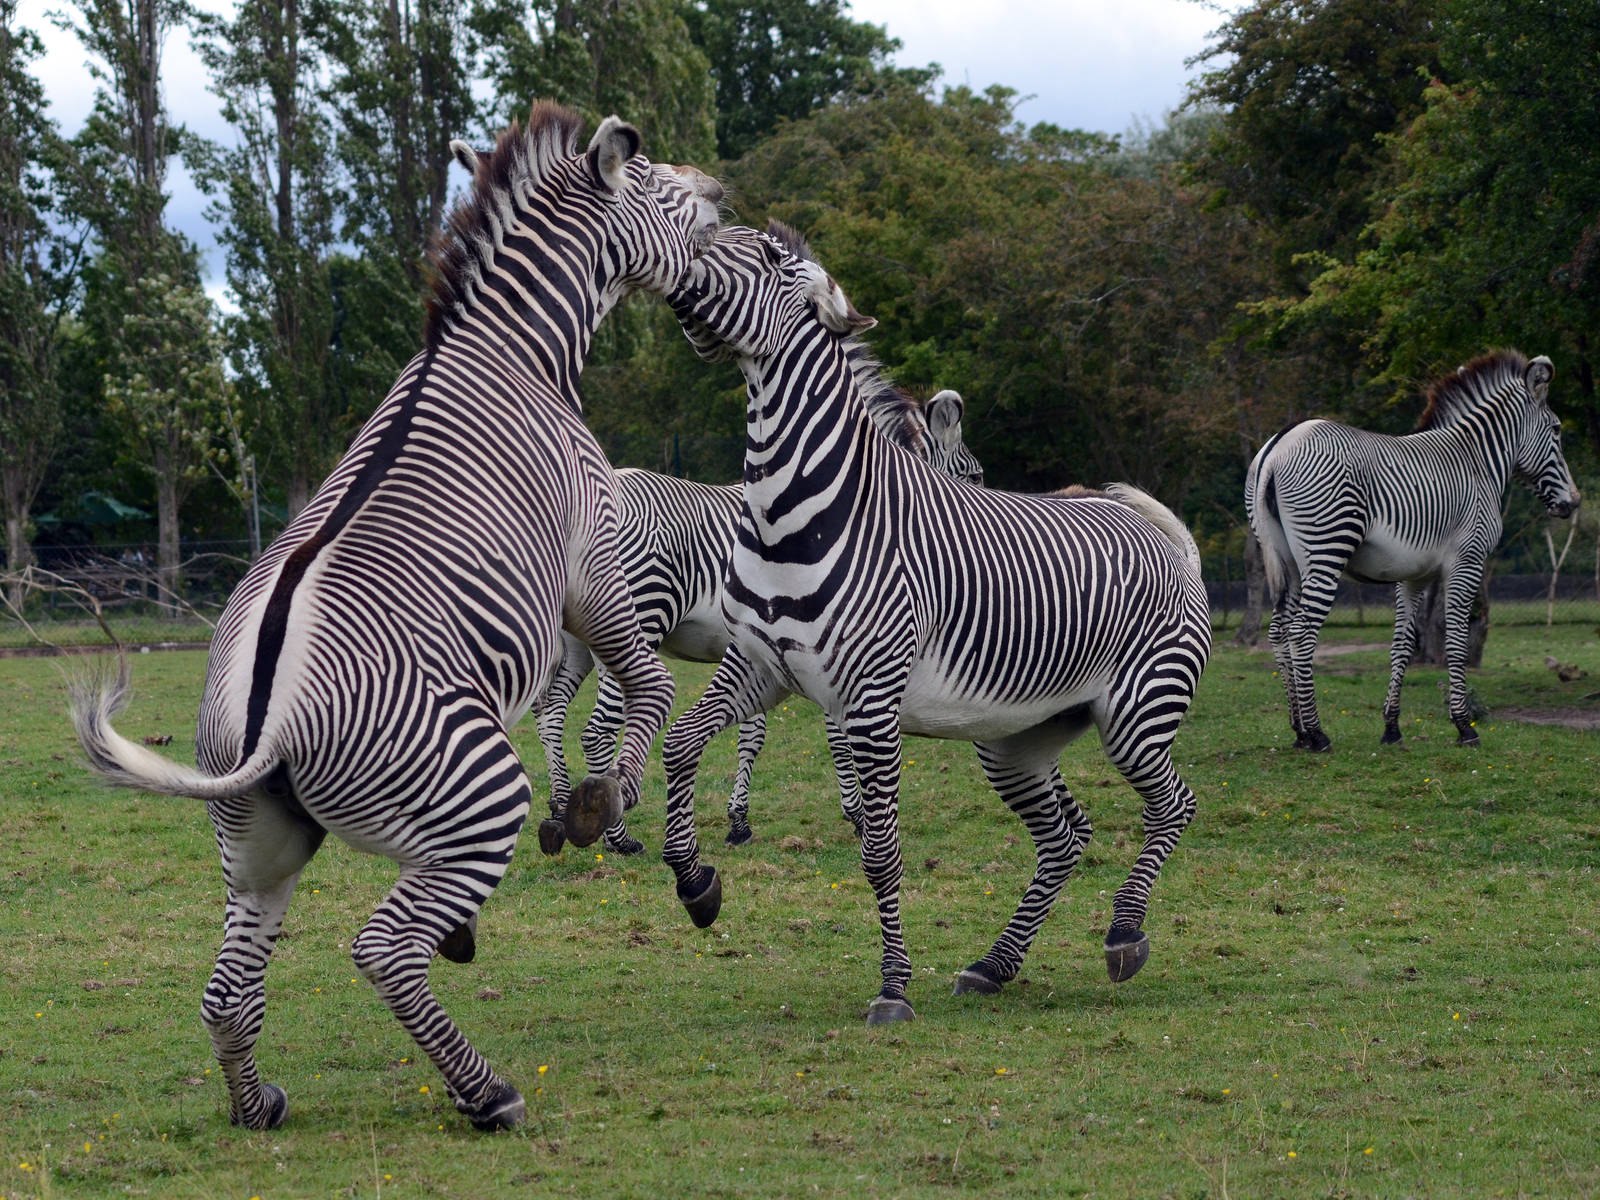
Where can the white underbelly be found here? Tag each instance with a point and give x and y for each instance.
(933, 708)
(698, 640)
(1384, 558)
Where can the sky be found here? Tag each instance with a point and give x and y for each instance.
(1085, 64)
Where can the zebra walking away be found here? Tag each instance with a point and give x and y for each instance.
(366, 670)
(1325, 499)
(675, 537)
(904, 602)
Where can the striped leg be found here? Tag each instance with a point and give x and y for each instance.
(1284, 615)
(441, 888)
(264, 848)
(599, 752)
(1401, 649)
(1142, 718)
(606, 620)
(1318, 587)
(875, 745)
(1032, 787)
(575, 665)
(738, 690)
(752, 736)
(1459, 588)
(844, 771)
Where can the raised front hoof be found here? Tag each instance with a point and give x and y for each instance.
(886, 1010)
(977, 978)
(1391, 736)
(461, 944)
(504, 1109)
(552, 835)
(272, 1113)
(704, 905)
(738, 833)
(623, 843)
(1315, 741)
(595, 806)
(1127, 954)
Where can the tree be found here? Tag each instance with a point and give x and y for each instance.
(144, 302)
(33, 281)
(777, 60)
(274, 218)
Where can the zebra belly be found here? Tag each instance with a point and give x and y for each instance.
(698, 640)
(1384, 558)
(932, 707)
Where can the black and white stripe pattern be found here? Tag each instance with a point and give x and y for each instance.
(365, 673)
(675, 537)
(1325, 499)
(904, 602)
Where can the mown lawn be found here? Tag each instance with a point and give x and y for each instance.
(1374, 973)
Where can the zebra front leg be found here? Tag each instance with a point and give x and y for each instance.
(875, 743)
(752, 737)
(1031, 786)
(1401, 649)
(264, 848)
(599, 750)
(738, 690)
(1459, 590)
(844, 773)
(575, 665)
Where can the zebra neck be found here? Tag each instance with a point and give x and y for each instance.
(1485, 436)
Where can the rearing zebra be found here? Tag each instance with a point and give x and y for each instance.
(675, 536)
(367, 668)
(904, 602)
(1325, 499)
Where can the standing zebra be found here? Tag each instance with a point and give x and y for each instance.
(367, 668)
(1325, 499)
(904, 602)
(675, 536)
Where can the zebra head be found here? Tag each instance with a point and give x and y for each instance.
(629, 223)
(1539, 461)
(746, 295)
(947, 452)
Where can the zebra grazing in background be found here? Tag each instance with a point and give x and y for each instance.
(367, 668)
(675, 536)
(905, 602)
(1325, 499)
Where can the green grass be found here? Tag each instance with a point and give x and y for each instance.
(1374, 973)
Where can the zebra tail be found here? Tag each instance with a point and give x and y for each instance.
(97, 695)
(1163, 518)
(1261, 508)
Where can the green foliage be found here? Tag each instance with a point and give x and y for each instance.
(1375, 950)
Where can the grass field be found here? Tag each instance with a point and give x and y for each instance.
(1374, 973)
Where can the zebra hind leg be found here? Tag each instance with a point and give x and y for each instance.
(752, 737)
(1032, 788)
(573, 668)
(264, 845)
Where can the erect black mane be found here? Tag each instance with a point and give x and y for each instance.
(1463, 389)
(467, 237)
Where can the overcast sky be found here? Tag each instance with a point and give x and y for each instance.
(1087, 64)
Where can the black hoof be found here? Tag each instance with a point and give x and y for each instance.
(886, 1010)
(738, 832)
(1391, 735)
(276, 1113)
(1315, 741)
(461, 944)
(552, 835)
(505, 1109)
(1125, 957)
(1468, 737)
(977, 978)
(623, 843)
(596, 805)
(704, 905)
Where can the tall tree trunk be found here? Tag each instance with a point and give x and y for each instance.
(19, 556)
(1255, 593)
(168, 564)
(1430, 621)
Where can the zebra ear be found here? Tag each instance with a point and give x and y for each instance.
(1538, 376)
(944, 416)
(613, 144)
(834, 308)
(465, 155)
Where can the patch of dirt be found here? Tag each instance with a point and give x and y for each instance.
(1567, 718)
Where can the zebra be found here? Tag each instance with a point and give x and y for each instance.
(1326, 499)
(366, 670)
(675, 539)
(901, 601)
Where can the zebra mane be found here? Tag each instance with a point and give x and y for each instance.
(520, 160)
(898, 415)
(1469, 387)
